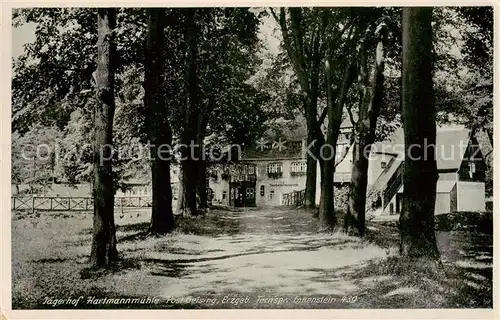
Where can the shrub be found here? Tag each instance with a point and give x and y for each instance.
(341, 197)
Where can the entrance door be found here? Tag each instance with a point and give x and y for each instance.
(238, 196)
(243, 193)
(250, 196)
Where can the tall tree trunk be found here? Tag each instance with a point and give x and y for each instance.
(369, 109)
(327, 153)
(311, 174)
(327, 157)
(308, 81)
(418, 237)
(201, 188)
(326, 211)
(103, 251)
(160, 133)
(312, 162)
(189, 178)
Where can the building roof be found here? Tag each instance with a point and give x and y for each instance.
(450, 146)
(283, 140)
(391, 145)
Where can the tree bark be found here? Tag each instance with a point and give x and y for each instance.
(311, 174)
(103, 251)
(369, 109)
(326, 212)
(201, 188)
(188, 205)
(418, 239)
(160, 132)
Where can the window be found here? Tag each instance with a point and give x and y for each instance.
(262, 191)
(472, 167)
(250, 169)
(224, 195)
(383, 165)
(274, 168)
(271, 195)
(299, 167)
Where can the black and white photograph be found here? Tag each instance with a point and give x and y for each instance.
(218, 157)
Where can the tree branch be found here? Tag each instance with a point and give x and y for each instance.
(297, 61)
(351, 118)
(323, 115)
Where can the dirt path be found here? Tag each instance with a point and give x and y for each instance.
(264, 255)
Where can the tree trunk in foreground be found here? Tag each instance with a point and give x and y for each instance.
(187, 204)
(369, 109)
(326, 210)
(103, 252)
(418, 238)
(201, 160)
(160, 133)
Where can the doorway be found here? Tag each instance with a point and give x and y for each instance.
(243, 193)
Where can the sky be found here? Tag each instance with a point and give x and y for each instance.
(20, 36)
(26, 34)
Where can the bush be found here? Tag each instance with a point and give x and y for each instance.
(476, 221)
(373, 200)
(341, 197)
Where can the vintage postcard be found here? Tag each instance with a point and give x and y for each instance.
(264, 158)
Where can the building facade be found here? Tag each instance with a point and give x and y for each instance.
(274, 167)
(461, 169)
(266, 173)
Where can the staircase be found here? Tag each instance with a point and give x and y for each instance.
(393, 184)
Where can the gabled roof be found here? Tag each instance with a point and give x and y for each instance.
(289, 134)
(450, 147)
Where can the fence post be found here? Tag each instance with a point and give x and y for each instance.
(33, 204)
(121, 205)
